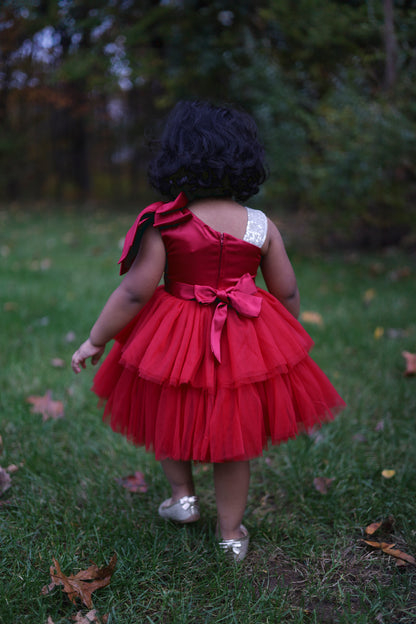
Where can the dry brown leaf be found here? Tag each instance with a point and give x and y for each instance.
(14, 468)
(10, 306)
(322, 484)
(377, 268)
(410, 363)
(385, 525)
(379, 545)
(399, 554)
(389, 549)
(89, 618)
(5, 481)
(400, 273)
(134, 482)
(46, 406)
(372, 528)
(314, 318)
(58, 363)
(82, 584)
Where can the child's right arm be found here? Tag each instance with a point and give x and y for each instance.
(127, 300)
(278, 272)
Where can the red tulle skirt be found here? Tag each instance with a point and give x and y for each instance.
(165, 390)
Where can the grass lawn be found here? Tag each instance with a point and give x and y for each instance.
(307, 561)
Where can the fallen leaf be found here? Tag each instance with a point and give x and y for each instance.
(400, 273)
(385, 525)
(377, 268)
(46, 406)
(14, 468)
(380, 545)
(58, 363)
(10, 306)
(410, 363)
(50, 620)
(82, 584)
(399, 554)
(89, 618)
(134, 482)
(388, 474)
(5, 481)
(312, 317)
(322, 484)
(369, 296)
(393, 552)
(372, 528)
(378, 333)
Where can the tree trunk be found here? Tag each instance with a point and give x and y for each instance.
(390, 45)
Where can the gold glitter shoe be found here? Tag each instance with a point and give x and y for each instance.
(184, 510)
(236, 548)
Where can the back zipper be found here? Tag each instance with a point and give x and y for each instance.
(220, 258)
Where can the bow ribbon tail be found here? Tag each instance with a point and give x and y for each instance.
(218, 321)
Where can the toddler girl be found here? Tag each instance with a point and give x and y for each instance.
(207, 367)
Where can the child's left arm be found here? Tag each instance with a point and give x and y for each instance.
(127, 300)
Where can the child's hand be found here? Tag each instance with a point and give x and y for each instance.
(86, 350)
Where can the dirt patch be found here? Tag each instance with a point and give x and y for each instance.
(329, 585)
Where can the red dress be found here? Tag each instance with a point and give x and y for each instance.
(213, 367)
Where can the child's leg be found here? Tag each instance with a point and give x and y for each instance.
(231, 491)
(179, 475)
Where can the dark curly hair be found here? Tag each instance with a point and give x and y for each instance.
(208, 151)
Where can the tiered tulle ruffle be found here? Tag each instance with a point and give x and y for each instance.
(165, 391)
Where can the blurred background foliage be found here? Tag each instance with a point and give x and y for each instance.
(84, 85)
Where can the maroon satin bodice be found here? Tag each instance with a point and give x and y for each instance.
(212, 268)
(197, 254)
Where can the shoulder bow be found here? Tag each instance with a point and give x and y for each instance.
(159, 214)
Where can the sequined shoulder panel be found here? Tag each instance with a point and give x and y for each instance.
(256, 230)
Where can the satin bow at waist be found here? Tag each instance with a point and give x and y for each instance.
(242, 297)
